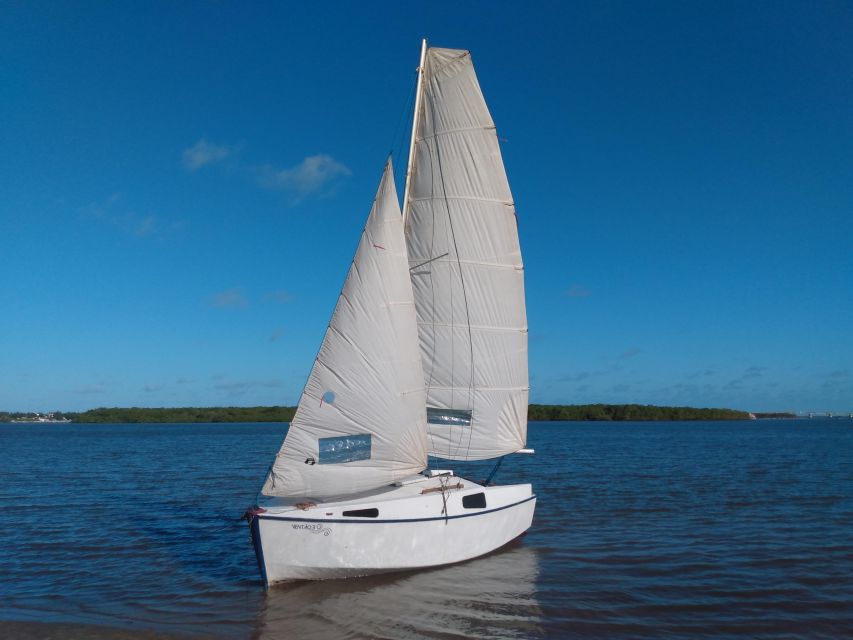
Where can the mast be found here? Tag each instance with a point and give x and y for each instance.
(418, 94)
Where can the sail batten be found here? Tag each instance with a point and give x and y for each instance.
(470, 307)
(360, 423)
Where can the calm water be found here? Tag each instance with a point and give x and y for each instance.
(644, 530)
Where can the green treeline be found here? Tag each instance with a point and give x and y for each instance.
(186, 414)
(628, 412)
(614, 412)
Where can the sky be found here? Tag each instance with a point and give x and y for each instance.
(183, 185)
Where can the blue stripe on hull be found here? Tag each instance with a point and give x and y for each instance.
(372, 521)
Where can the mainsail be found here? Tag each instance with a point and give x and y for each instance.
(360, 423)
(466, 269)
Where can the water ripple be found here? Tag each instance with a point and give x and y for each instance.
(685, 530)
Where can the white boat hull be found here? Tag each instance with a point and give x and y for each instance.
(405, 528)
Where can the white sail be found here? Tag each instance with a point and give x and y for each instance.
(360, 423)
(466, 268)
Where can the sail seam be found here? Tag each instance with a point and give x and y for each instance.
(450, 62)
(445, 132)
(484, 388)
(480, 327)
(469, 198)
(477, 263)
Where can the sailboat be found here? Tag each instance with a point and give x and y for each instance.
(425, 355)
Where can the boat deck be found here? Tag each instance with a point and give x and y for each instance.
(410, 487)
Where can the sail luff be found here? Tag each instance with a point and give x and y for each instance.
(360, 423)
(415, 120)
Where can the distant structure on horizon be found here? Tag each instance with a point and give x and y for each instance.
(803, 415)
(46, 417)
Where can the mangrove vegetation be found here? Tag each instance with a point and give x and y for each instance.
(625, 412)
(536, 412)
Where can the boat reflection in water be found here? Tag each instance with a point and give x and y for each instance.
(489, 597)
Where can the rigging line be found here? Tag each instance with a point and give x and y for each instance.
(418, 266)
(432, 322)
(462, 281)
(435, 160)
(432, 280)
(494, 471)
(444, 488)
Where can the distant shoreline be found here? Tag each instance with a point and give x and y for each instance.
(536, 412)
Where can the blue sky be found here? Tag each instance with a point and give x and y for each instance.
(182, 186)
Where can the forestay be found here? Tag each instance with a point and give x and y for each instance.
(466, 270)
(360, 423)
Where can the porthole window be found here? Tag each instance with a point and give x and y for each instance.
(362, 513)
(474, 501)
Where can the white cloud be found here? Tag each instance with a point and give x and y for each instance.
(705, 373)
(317, 174)
(312, 175)
(204, 153)
(583, 375)
(281, 297)
(145, 226)
(229, 298)
(576, 291)
(241, 386)
(89, 389)
(115, 213)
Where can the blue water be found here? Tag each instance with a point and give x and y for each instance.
(642, 530)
